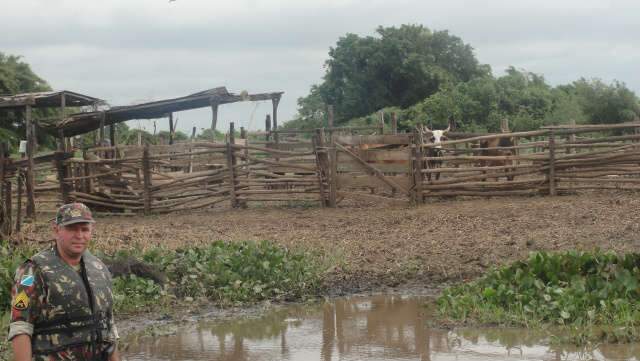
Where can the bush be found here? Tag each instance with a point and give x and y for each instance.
(579, 289)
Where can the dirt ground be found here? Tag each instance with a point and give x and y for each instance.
(376, 246)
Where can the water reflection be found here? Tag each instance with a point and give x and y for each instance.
(388, 327)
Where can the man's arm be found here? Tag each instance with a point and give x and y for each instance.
(22, 348)
(115, 355)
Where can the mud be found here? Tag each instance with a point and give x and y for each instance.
(375, 246)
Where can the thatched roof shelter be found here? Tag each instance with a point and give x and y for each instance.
(50, 99)
(81, 123)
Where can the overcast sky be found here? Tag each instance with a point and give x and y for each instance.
(131, 51)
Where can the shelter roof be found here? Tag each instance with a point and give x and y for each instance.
(47, 99)
(81, 123)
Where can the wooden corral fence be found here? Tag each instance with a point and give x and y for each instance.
(548, 161)
(326, 166)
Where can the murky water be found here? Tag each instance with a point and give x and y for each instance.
(388, 327)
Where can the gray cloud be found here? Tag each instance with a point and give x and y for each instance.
(128, 52)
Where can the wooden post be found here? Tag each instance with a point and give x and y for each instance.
(63, 110)
(146, 174)
(59, 157)
(231, 162)
(171, 130)
(214, 119)
(552, 163)
(31, 200)
(572, 137)
(267, 126)
(394, 123)
(193, 133)
(88, 188)
(323, 163)
(319, 172)
(275, 102)
(112, 138)
(382, 122)
(19, 181)
(333, 161)
(102, 120)
(330, 116)
(139, 138)
(6, 211)
(417, 195)
(8, 221)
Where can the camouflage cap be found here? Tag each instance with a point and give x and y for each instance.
(73, 213)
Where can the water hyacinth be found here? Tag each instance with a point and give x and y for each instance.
(572, 288)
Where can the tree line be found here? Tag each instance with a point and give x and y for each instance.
(427, 77)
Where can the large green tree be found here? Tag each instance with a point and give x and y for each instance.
(17, 77)
(400, 66)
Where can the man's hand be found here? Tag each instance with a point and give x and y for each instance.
(22, 348)
(115, 355)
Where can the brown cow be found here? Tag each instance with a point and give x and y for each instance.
(490, 148)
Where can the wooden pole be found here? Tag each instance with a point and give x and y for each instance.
(333, 161)
(62, 174)
(275, 101)
(214, 119)
(112, 135)
(101, 129)
(323, 159)
(330, 116)
(171, 130)
(19, 181)
(416, 169)
(552, 163)
(5, 226)
(394, 123)
(87, 171)
(146, 174)
(231, 162)
(316, 152)
(63, 109)
(382, 122)
(267, 126)
(31, 200)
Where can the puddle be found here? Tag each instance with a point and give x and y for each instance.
(384, 327)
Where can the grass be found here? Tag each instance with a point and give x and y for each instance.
(583, 297)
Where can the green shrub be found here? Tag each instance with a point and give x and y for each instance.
(132, 293)
(579, 289)
(232, 272)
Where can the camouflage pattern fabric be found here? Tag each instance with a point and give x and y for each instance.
(34, 302)
(73, 213)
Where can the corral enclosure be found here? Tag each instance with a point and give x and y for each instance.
(329, 166)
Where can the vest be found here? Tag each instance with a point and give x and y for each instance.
(72, 314)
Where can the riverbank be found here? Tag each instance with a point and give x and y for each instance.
(373, 246)
(369, 247)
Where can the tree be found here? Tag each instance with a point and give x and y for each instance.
(604, 103)
(17, 77)
(399, 67)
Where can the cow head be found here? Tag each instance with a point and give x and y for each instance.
(436, 136)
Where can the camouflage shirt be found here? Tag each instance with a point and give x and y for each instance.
(28, 296)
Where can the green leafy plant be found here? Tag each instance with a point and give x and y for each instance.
(590, 292)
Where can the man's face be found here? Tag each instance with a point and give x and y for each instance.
(73, 239)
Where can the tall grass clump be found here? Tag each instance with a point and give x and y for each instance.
(581, 290)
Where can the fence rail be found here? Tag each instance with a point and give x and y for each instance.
(331, 166)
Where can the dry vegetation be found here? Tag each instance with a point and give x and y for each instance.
(376, 246)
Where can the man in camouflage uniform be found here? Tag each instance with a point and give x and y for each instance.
(61, 307)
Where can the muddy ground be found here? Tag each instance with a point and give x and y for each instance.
(377, 246)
